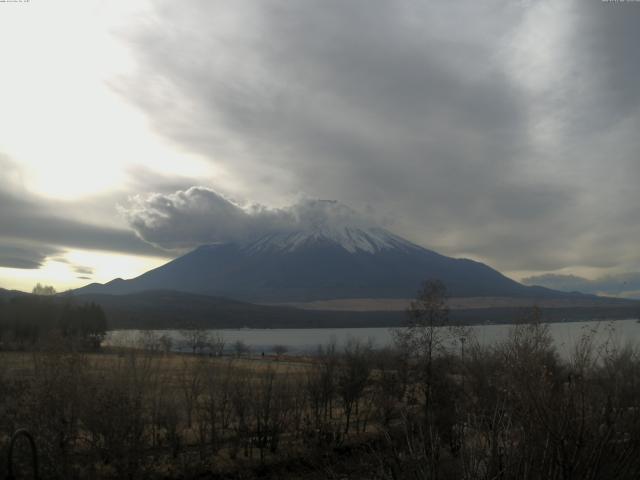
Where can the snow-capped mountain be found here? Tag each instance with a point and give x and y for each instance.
(319, 260)
(351, 239)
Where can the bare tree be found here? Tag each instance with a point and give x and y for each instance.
(353, 378)
(241, 348)
(195, 338)
(422, 339)
(422, 336)
(215, 405)
(191, 381)
(217, 344)
(270, 410)
(149, 341)
(390, 383)
(166, 343)
(241, 401)
(280, 350)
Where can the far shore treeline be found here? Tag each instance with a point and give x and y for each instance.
(30, 315)
(26, 320)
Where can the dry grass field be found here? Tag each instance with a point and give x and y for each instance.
(460, 303)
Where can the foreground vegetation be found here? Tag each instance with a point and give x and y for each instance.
(27, 321)
(512, 411)
(417, 411)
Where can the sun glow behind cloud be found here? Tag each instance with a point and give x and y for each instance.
(61, 271)
(67, 129)
(61, 119)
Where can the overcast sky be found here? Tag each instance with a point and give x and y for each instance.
(504, 131)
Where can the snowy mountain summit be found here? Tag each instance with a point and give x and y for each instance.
(351, 239)
(319, 223)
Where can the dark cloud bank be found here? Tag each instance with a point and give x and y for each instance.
(24, 256)
(454, 119)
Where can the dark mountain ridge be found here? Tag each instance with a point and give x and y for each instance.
(321, 264)
(6, 294)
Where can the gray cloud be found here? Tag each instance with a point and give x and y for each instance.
(24, 256)
(144, 179)
(435, 113)
(83, 270)
(622, 285)
(34, 228)
(505, 131)
(188, 218)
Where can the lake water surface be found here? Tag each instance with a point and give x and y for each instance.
(303, 340)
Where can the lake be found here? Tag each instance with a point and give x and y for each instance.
(298, 340)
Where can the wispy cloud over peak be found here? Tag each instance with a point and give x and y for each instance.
(199, 215)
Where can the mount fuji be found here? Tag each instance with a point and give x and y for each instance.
(319, 260)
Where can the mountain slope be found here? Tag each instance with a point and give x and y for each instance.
(11, 293)
(317, 263)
